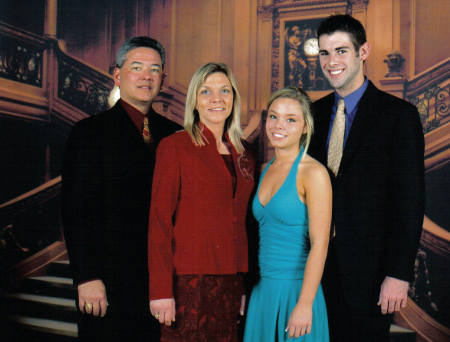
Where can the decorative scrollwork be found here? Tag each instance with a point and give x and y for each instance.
(430, 93)
(80, 90)
(20, 61)
(433, 105)
(442, 101)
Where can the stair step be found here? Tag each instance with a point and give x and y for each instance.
(46, 307)
(398, 329)
(63, 262)
(43, 299)
(50, 286)
(22, 334)
(52, 279)
(401, 334)
(60, 268)
(60, 328)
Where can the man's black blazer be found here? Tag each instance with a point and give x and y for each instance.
(106, 190)
(378, 193)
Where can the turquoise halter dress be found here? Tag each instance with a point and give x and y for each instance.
(283, 251)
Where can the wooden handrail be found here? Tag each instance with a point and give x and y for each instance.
(422, 81)
(55, 182)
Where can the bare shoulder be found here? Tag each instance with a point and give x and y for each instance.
(312, 178)
(311, 168)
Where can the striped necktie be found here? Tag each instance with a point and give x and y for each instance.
(336, 144)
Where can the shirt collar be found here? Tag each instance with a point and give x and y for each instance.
(351, 100)
(135, 115)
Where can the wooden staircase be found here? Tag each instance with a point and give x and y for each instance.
(42, 308)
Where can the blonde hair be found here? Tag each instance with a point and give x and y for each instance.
(192, 117)
(303, 99)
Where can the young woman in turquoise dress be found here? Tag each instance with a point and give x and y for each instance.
(293, 209)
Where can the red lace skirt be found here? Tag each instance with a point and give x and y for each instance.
(207, 309)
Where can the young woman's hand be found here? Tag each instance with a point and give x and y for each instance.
(300, 321)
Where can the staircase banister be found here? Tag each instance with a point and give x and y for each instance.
(97, 73)
(434, 74)
(18, 33)
(44, 41)
(48, 186)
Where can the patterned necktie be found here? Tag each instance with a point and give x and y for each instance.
(146, 132)
(336, 144)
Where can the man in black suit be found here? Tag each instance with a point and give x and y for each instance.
(374, 149)
(106, 191)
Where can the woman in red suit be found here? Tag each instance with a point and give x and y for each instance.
(202, 183)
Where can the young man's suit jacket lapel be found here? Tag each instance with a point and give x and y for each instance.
(362, 123)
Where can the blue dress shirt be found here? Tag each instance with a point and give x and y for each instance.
(351, 107)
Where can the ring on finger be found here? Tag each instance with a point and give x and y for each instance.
(88, 306)
(157, 315)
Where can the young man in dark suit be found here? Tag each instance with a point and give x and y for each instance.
(106, 191)
(374, 147)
